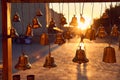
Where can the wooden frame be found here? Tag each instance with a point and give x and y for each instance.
(6, 23)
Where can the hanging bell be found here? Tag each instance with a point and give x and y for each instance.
(101, 32)
(36, 23)
(39, 13)
(109, 55)
(80, 56)
(23, 63)
(82, 20)
(52, 24)
(49, 62)
(67, 35)
(74, 21)
(29, 31)
(13, 33)
(44, 39)
(63, 21)
(59, 39)
(105, 15)
(114, 31)
(16, 18)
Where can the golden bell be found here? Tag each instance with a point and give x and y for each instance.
(36, 23)
(80, 56)
(52, 24)
(16, 77)
(82, 19)
(30, 77)
(29, 31)
(114, 31)
(59, 39)
(13, 33)
(44, 39)
(63, 21)
(39, 13)
(23, 63)
(109, 55)
(101, 32)
(16, 17)
(49, 62)
(67, 35)
(74, 21)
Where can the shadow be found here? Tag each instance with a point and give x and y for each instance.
(82, 72)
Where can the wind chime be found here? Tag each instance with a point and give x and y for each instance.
(23, 62)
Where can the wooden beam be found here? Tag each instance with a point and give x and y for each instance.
(6, 42)
(54, 1)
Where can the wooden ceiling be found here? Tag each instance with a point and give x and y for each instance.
(55, 1)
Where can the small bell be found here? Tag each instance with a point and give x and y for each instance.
(63, 21)
(74, 21)
(49, 62)
(29, 31)
(52, 24)
(109, 55)
(30, 77)
(16, 17)
(13, 33)
(36, 23)
(82, 19)
(67, 35)
(44, 39)
(39, 13)
(80, 56)
(114, 31)
(23, 63)
(59, 39)
(101, 32)
(105, 15)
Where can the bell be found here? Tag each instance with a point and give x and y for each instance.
(67, 35)
(49, 62)
(16, 77)
(109, 55)
(39, 13)
(63, 21)
(44, 39)
(36, 23)
(52, 24)
(16, 17)
(13, 33)
(114, 31)
(82, 19)
(29, 31)
(59, 39)
(105, 15)
(80, 56)
(30, 77)
(101, 32)
(74, 21)
(23, 63)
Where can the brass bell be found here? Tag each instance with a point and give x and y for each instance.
(30, 77)
(74, 21)
(49, 62)
(67, 35)
(39, 13)
(36, 23)
(114, 31)
(13, 33)
(29, 31)
(16, 77)
(59, 39)
(63, 21)
(52, 24)
(80, 56)
(105, 15)
(23, 63)
(82, 19)
(16, 18)
(101, 32)
(109, 55)
(44, 39)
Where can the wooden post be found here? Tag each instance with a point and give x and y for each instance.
(6, 42)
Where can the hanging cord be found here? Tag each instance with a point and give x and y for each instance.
(82, 8)
(101, 10)
(75, 8)
(92, 11)
(52, 10)
(68, 14)
(60, 14)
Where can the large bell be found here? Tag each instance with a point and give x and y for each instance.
(13, 33)
(16, 18)
(36, 23)
(23, 63)
(109, 55)
(74, 21)
(44, 39)
(63, 21)
(80, 56)
(67, 35)
(59, 39)
(39, 13)
(114, 31)
(101, 32)
(29, 31)
(49, 62)
(82, 20)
